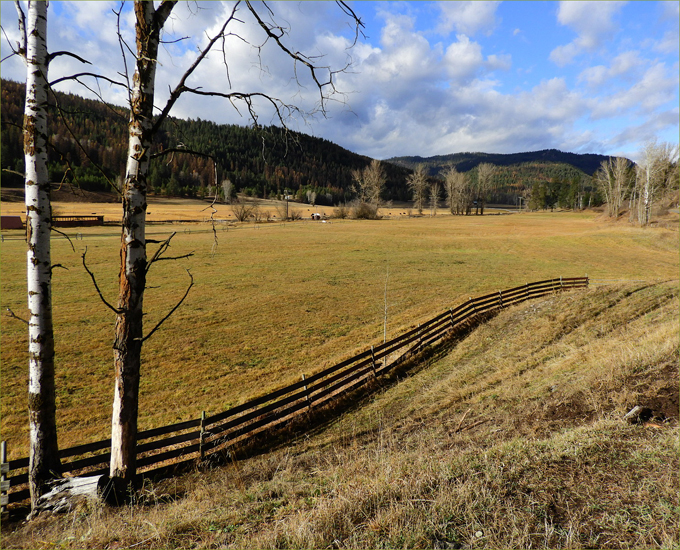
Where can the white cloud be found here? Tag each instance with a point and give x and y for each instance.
(407, 95)
(656, 88)
(463, 58)
(626, 66)
(467, 17)
(650, 128)
(593, 22)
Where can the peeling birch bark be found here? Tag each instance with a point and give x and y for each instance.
(127, 345)
(43, 449)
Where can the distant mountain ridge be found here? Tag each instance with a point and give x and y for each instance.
(263, 162)
(464, 162)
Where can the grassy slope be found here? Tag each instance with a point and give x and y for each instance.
(513, 439)
(277, 301)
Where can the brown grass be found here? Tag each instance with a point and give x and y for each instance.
(514, 439)
(280, 300)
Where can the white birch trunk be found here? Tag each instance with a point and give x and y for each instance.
(127, 345)
(43, 452)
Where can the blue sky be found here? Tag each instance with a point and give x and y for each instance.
(430, 78)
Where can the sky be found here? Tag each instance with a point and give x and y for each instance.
(423, 78)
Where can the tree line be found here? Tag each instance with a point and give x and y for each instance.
(652, 182)
(259, 161)
(289, 163)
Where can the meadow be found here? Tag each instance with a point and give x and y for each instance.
(513, 438)
(274, 300)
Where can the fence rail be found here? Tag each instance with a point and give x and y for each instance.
(197, 439)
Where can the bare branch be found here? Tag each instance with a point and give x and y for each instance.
(247, 98)
(158, 255)
(55, 266)
(11, 46)
(180, 88)
(11, 314)
(172, 310)
(174, 41)
(299, 57)
(13, 172)
(180, 150)
(101, 98)
(123, 45)
(21, 50)
(51, 56)
(96, 286)
(94, 75)
(80, 145)
(65, 236)
(359, 24)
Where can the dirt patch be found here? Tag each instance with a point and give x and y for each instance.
(660, 394)
(572, 411)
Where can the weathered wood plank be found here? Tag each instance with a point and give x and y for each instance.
(162, 430)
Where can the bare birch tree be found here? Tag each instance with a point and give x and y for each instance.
(44, 461)
(614, 179)
(485, 183)
(417, 182)
(435, 190)
(656, 171)
(458, 191)
(368, 185)
(142, 126)
(227, 187)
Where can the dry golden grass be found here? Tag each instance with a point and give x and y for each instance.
(278, 300)
(552, 465)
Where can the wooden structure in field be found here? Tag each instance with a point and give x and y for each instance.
(77, 221)
(161, 450)
(11, 222)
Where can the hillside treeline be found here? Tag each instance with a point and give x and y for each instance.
(262, 162)
(88, 141)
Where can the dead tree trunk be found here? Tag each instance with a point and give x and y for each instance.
(43, 452)
(133, 262)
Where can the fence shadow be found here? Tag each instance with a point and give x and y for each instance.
(296, 410)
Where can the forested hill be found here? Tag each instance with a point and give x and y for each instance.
(260, 162)
(464, 162)
(263, 162)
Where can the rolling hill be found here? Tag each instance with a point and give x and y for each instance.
(514, 438)
(262, 162)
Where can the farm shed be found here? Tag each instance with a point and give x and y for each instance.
(11, 222)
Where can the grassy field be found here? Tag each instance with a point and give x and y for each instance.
(272, 301)
(515, 438)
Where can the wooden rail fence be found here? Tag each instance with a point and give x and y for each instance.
(197, 439)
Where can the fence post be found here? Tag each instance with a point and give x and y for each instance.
(473, 305)
(500, 298)
(587, 281)
(561, 285)
(309, 402)
(451, 315)
(373, 362)
(201, 439)
(4, 484)
(526, 291)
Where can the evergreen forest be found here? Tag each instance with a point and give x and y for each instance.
(88, 146)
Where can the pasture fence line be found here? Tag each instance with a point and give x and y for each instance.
(165, 447)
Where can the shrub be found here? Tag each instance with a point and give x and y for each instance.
(341, 211)
(242, 211)
(364, 211)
